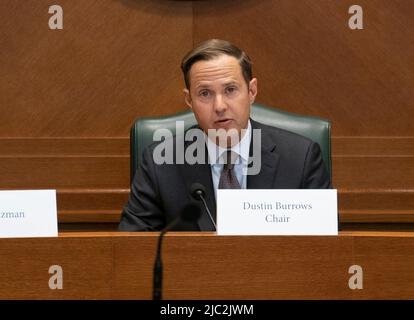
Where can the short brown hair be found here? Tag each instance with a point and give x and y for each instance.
(211, 49)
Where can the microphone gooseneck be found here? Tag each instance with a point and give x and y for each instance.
(191, 212)
(198, 192)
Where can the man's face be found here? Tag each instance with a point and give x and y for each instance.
(219, 95)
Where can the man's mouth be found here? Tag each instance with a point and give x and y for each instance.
(223, 121)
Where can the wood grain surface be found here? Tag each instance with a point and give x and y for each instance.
(205, 266)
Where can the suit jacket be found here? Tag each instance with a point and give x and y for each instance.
(159, 192)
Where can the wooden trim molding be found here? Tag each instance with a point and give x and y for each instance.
(374, 176)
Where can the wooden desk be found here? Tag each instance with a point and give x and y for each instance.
(205, 266)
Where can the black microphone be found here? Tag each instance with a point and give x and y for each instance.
(190, 212)
(198, 192)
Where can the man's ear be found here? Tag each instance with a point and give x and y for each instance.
(253, 89)
(187, 98)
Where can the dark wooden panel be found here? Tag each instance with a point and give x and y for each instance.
(385, 146)
(65, 172)
(377, 227)
(388, 272)
(376, 199)
(372, 206)
(113, 61)
(308, 61)
(345, 216)
(91, 216)
(86, 264)
(92, 176)
(374, 176)
(88, 227)
(269, 270)
(91, 199)
(15, 147)
(111, 265)
(374, 173)
(376, 216)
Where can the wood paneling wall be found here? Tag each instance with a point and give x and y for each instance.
(68, 97)
(202, 266)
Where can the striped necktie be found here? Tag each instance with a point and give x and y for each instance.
(228, 179)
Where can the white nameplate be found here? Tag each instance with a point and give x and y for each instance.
(28, 213)
(277, 212)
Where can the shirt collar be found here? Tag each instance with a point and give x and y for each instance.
(242, 148)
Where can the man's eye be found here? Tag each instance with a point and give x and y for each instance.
(230, 89)
(204, 93)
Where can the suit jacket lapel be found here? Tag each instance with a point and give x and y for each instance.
(265, 178)
(201, 173)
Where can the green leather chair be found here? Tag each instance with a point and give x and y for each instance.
(317, 129)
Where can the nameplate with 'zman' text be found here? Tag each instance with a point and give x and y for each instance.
(277, 212)
(28, 213)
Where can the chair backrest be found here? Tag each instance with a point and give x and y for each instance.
(315, 128)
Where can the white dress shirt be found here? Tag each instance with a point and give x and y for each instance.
(216, 156)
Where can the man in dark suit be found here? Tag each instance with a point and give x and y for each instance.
(220, 90)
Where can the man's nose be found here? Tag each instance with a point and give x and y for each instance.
(219, 104)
